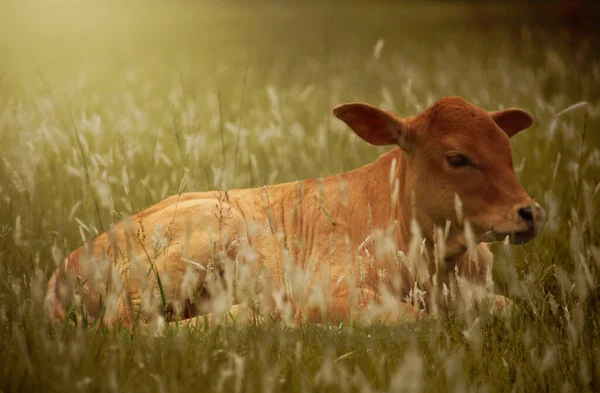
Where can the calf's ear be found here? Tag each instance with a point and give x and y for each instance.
(512, 120)
(375, 126)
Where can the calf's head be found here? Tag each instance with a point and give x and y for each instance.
(455, 148)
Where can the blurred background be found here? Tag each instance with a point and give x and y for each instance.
(63, 37)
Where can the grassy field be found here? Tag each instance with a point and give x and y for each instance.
(104, 109)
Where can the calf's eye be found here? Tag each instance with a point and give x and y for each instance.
(458, 160)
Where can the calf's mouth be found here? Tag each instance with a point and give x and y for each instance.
(521, 234)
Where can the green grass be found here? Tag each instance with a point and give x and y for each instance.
(103, 108)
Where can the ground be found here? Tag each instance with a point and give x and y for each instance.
(107, 108)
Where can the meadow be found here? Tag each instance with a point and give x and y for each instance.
(106, 108)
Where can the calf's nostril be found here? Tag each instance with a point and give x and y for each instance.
(526, 213)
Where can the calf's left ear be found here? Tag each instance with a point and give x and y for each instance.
(512, 120)
(375, 126)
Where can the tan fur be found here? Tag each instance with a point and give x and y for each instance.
(249, 239)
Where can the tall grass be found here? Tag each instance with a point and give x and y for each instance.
(105, 110)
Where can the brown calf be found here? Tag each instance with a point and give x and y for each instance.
(405, 229)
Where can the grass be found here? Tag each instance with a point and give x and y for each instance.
(106, 109)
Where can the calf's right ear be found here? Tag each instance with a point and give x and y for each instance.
(512, 120)
(375, 126)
